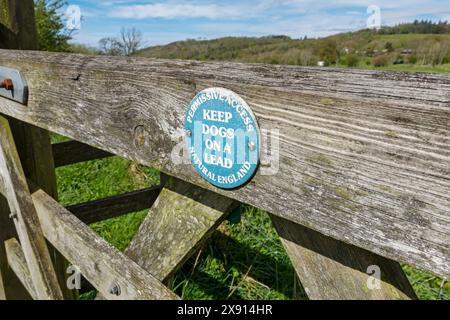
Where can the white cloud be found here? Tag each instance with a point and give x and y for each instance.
(250, 9)
(160, 19)
(181, 10)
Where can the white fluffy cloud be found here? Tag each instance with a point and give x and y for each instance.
(177, 10)
(165, 21)
(247, 9)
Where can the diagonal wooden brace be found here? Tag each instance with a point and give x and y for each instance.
(182, 218)
(15, 189)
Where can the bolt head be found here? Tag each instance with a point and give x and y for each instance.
(252, 146)
(115, 290)
(7, 84)
(188, 133)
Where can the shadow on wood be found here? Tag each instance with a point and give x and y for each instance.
(71, 152)
(111, 207)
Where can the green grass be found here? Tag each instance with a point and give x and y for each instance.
(443, 68)
(241, 261)
(403, 40)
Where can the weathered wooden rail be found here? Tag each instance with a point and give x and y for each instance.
(364, 166)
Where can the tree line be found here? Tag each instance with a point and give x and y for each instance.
(422, 27)
(53, 35)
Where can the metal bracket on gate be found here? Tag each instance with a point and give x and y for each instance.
(13, 85)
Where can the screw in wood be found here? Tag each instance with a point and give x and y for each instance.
(115, 290)
(13, 215)
(7, 84)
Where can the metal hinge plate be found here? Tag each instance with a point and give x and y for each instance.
(19, 90)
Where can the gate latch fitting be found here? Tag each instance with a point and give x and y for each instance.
(13, 85)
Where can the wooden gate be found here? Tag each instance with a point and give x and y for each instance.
(363, 177)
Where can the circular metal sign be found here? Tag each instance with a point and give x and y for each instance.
(223, 138)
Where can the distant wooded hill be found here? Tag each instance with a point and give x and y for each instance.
(422, 26)
(420, 42)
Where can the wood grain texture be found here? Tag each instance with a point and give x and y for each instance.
(364, 155)
(17, 23)
(7, 38)
(103, 209)
(100, 263)
(35, 152)
(18, 264)
(2, 188)
(25, 218)
(13, 27)
(330, 269)
(71, 152)
(33, 143)
(182, 217)
(10, 286)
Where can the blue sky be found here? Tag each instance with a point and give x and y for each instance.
(163, 22)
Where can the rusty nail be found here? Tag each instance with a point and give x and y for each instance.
(7, 84)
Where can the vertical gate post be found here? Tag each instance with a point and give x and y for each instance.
(33, 144)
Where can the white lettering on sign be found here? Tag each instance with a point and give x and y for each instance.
(218, 131)
(223, 138)
(219, 116)
(218, 161)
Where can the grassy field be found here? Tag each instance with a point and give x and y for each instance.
(243, 260)
(404, 40)
(442, 68)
